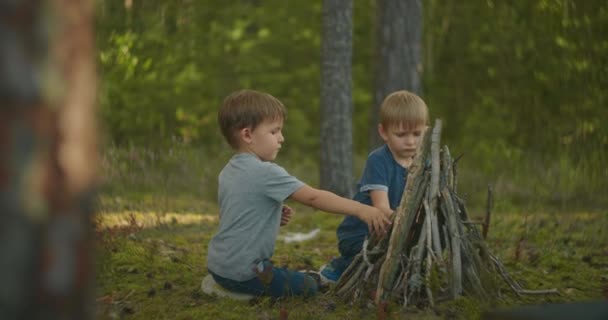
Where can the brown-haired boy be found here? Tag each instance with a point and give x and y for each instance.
(251, 193)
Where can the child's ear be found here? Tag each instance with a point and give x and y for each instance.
(382, 132)
(245, 134)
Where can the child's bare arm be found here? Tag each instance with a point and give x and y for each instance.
(376, 219)
(380, 200)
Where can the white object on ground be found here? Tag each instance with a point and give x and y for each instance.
(299, 236)
(211, 287)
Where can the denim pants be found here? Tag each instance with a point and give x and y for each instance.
(348, 248)
(273, 282)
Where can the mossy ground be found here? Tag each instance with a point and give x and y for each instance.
(150, 264)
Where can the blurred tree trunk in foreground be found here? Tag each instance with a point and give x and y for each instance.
(48, 159)
(336, 98)
(398, 54)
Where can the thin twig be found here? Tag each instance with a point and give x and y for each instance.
(486, 221)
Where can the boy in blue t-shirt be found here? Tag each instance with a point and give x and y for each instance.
(403, 120)
(251, 193)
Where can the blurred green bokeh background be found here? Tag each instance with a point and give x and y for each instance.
(520, 85)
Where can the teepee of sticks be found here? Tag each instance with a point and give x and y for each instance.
(433, 251)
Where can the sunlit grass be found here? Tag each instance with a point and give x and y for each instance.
(153, 219)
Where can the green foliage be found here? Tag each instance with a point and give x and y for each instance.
(520, 85)
(521, 81)
(177, 61)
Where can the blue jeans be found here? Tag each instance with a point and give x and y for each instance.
(273, 282)
(351, 247)
(348, 248)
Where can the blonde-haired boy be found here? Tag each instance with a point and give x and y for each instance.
(403, 120)
(251, 193)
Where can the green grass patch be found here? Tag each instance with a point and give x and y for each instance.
(157, 212)
(154, 271)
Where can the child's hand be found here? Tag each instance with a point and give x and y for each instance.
(286, 214)
(377, 220)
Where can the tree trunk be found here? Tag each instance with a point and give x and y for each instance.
(336, 98)
(48, 159)
(398, 54)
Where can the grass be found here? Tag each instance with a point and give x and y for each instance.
(157, 212)
(153, 269)
(178, 177)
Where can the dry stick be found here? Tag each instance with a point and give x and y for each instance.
(434, 189)
(474, 234)
(474, 258)
(402, 223)
(446, 235)
(405, 289)
(475, 282)
(447, 175)
(352, 268)
(415, 263)
(402, 279)
(455, 173)
(546, 291)
(486, 221)
(503, 272)
(354, 275)
(370, 266)
(351, 282)
(447, 239)
(515, 286)
(406, 277)
(357, 275)
(429, 247)
(474, 268)
(346, 281)
(455, 236)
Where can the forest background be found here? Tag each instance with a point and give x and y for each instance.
(520, 86)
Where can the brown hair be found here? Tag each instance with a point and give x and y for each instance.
(403, 107)
(247, 108)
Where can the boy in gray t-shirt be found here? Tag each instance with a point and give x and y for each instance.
(251, 194)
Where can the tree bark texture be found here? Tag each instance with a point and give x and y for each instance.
(48, 159)
(336, 98)
(398, 63)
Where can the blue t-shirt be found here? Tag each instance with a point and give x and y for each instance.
(251, 194)
(381, 172)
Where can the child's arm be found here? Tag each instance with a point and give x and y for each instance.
(380, 201)
(330, 202)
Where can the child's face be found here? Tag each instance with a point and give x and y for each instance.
(402, 140)
(265, 141)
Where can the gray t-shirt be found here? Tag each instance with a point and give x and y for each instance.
(251, 194)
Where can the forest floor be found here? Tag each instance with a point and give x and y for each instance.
(149, 265)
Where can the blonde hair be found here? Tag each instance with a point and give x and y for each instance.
(403, 107)
(247, 108)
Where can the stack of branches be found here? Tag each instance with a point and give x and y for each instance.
(433, 251)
